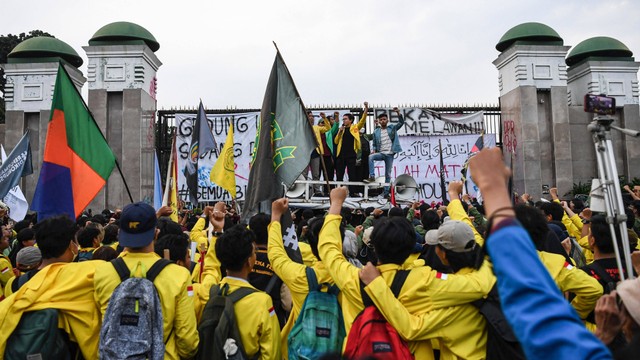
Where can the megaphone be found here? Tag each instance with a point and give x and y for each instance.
(297, 189)
(405, 187)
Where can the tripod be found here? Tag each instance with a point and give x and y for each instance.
(600, 129)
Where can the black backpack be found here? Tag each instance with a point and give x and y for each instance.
(501, 341)
(218, 325)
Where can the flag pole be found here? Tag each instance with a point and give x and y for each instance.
(443, 187)
(99, 130)
(304, 108)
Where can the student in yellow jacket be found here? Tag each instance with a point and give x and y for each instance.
(393, 240)
(137, 233)
(292, 273)
(566, 276)
(255, 315)
(314, 162)
(60, 284)
(6, 270)
(348, 144)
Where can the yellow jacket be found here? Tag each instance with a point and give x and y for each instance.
(198, 233)
(211, 274)
(460, 330)
(569, 278)
(317, 130)
(173, 289)
(68, 287)
(423, 291)
(294, 276)
(307, 255)
(6, 272)
(354, 129)
(257, 321)
(456, 212)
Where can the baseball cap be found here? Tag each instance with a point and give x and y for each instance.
(453, 235)
(28, 258)
(629, 292)
(137, 225)
(431, 237)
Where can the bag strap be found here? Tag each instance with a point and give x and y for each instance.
(121, 268)
(312, 279)
(396, 285)
(240, 293)
(271, 283)
(398, 281)
(156, 268)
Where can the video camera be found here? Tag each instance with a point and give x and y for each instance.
(599, 104)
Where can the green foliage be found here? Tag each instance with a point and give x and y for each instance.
(7, 43)
(579, 188)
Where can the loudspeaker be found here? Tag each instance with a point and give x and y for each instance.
(297, 189)
(405, 187)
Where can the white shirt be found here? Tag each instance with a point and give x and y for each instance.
(385, 142)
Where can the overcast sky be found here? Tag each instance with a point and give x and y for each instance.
(338, 51)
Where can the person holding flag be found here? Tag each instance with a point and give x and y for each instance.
(285, 143)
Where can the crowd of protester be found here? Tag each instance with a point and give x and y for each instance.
(538, 279)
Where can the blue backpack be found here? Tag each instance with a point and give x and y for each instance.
(319, 328)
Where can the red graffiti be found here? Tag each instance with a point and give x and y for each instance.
(509, 138)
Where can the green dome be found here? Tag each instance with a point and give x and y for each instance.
(123, 32)
(600, 46)
(44, 47)
(531, 32)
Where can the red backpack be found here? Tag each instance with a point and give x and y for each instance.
(371, 335)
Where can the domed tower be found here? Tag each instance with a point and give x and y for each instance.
(31, 70)
(533, 100)
(121, 73)
(604, 65)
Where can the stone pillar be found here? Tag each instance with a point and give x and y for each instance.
(122, 82)
(28, 97)
(533, 101)
(615, 78)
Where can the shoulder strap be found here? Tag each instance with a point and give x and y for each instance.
(312, 280)
(240, 293)
(271, 283)
(215, 290)
(156, 268)
(398, 281)
(396, 285)
(121, 268)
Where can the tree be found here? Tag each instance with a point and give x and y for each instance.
(7, 43)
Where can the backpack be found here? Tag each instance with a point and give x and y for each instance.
(132, 326)
(319, 329)
(218, 329)
(372, 335)
(502, 343)
(38, 337)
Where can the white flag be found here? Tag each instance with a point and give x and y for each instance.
(15, 198)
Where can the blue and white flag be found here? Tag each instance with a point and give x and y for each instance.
(18, 164)
(157, 184)
(15, 199)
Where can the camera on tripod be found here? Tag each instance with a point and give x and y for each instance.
(599, 104)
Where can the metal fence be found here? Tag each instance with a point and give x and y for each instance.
(165, 125)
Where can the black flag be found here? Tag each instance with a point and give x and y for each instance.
(284, 143)
(201, 141)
